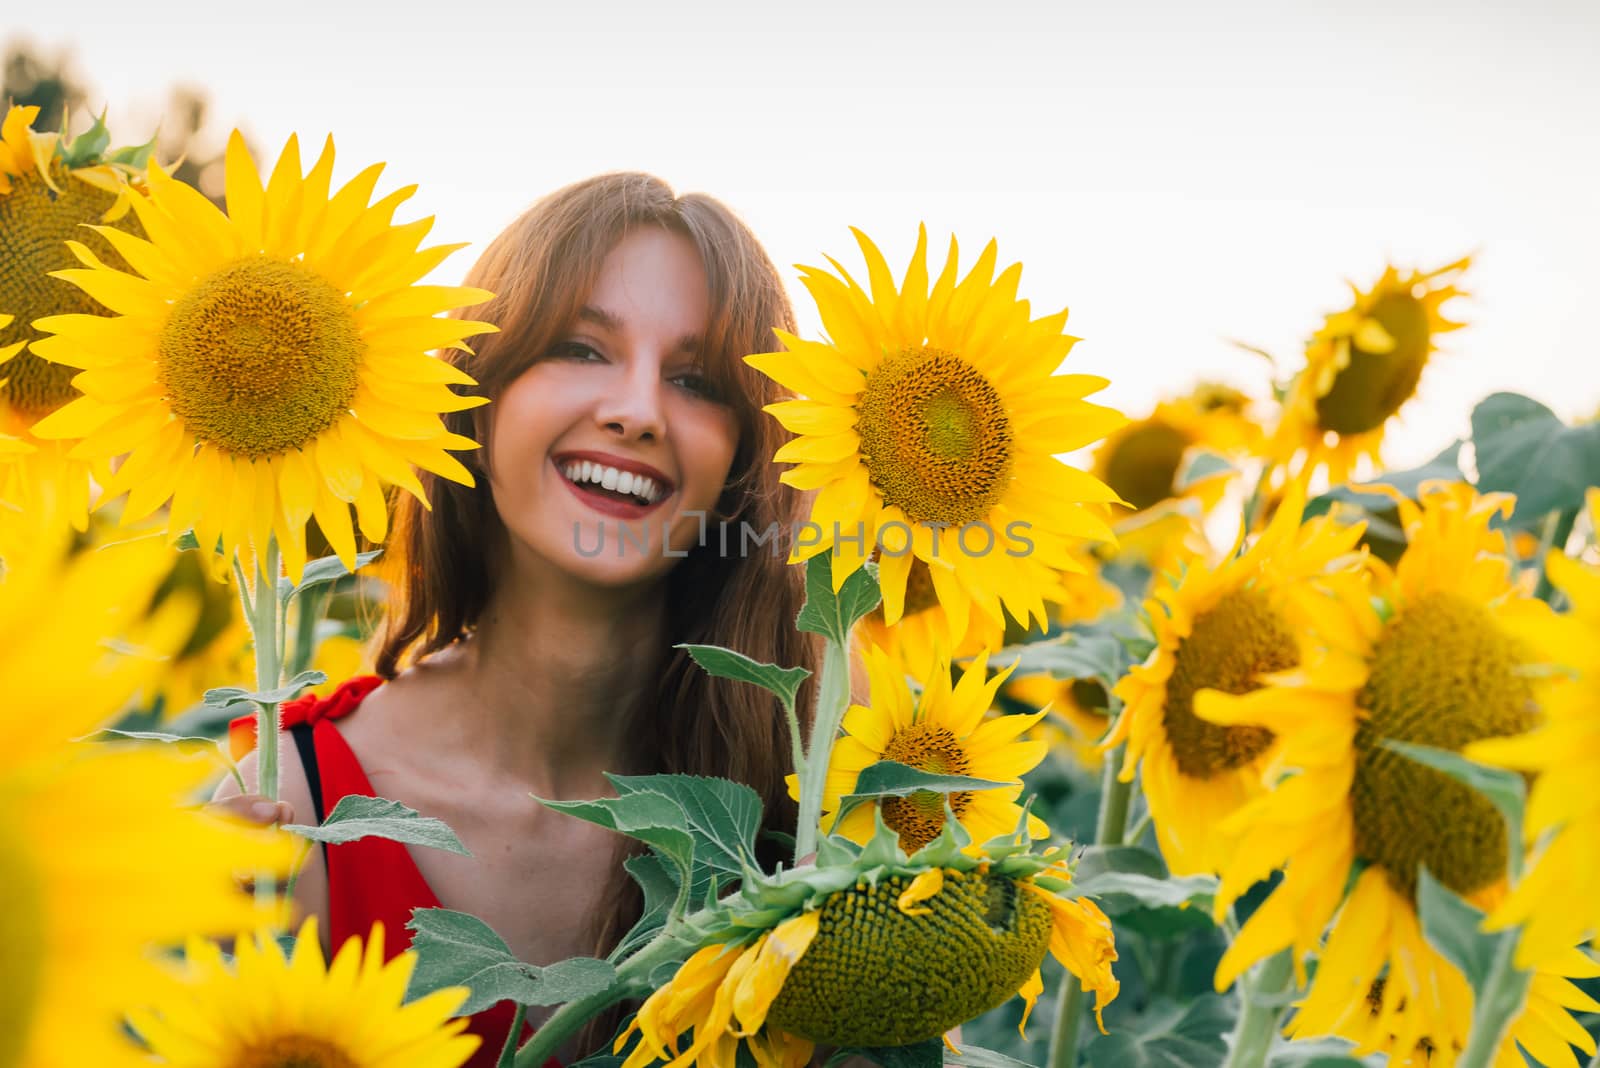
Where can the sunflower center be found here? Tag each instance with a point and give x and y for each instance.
(935, 437)
(874, 976)
(260, 357)
(1229, 647)
(294, 1051)
(1376, 384)
(1443, 674)
(38, 222)
(22, 913)
(919, 818)
(1144, 463)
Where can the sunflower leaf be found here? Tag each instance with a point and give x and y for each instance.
(455, 949)
(833, 614)
(1523, 448)
(1504, 788)
(180, 740)
(976, 1057)
(1314, 1053)
(1199, 466)
(356, 817)
(1451, 926)
(727, 664)
(322, 571)
(929, 1054)
(1446, 465)
(890, 778)
(223, 696)
(1165, 1034)
(1075, 655)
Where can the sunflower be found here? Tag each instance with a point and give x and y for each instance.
(1222, 629)
(79, 820)
(265, 366)
(269, 1011)
(1361, 368)
(1563, 814)
(1142, 461)
(931, 420)
(217, 650)
(1076, 714)
(1435, 660)
(942, 730)
(973, 929)
(49, 191)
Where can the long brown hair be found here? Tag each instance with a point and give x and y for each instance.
(542, 269)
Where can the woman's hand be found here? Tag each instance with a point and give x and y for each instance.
(254, 808)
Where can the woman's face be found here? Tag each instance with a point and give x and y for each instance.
(600, 451)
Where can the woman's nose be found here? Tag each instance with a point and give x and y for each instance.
(632, 407)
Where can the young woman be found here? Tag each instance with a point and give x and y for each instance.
(520, 660)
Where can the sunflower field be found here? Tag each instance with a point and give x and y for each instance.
(1226, 745)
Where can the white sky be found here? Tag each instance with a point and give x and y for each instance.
(1175, 173)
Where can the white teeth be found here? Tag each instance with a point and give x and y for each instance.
(613, 479)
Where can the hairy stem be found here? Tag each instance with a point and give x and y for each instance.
(833, 695)
(1495, 1005)
(1110, 826)
(566, 1021)
(1263, 1008)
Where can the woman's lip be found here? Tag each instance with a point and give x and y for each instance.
(606, 505)
(621, 463)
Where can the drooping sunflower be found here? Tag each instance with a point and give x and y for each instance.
(973, 929)
(266, 366)
(272, 1010)
(1143, 460)
(931, 418)
(103, 860)
(1361, 368)
(50, 191)
(1437, 661)
(942, 730)
(1223, 629)
(1563, 813)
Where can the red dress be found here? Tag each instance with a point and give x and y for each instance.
(370, 879)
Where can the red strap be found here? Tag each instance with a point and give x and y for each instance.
(345, 699)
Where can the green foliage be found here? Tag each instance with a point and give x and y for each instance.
(1523, 448)
(1317, 1053)
(890, 778)
(454, 949)
(833, 614)
(1090, 653)
(1200, 465)
(727, 664)
(356, 817)
(1166, 1034)
(322, 572)
(1451, 926)
(225, 696)
(1446, 465)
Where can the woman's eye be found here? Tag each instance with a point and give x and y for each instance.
(576, 350)
(699, 384)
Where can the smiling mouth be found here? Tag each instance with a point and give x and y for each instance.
(613, 484)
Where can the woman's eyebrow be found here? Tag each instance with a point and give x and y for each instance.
(690, 343)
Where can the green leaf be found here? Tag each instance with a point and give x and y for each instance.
(87, 148)
(1133, 885)
(721, 816)
(1315, 1053)
(223, 696)
(180, 740)
(1117, 891)
(661, 887)
(455, 949)
(977, 1057)
(186, 541)
(727, 664)
(320, 572)
(1168, 1034)
(929, 1054)
(1523, 448)
(890, 778)
(1504, 788)
(1452, 927)
(1201, 465)
(832, 615)
(654, 819)
(356, 817)
(1446, 465)
(1076, 655)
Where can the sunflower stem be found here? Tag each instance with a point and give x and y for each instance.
(632, 974)
(308, 611)
(833, 695)
(508, 1052)
(1557, 529)
(263, 622)
(1263, 1008)
(1495, 1005)
(1111, 824)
